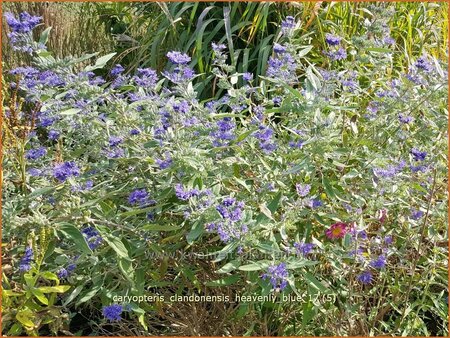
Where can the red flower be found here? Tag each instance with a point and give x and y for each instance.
(337, 230)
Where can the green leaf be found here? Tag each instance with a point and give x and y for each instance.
(256, 266)
(222, 254)
(233, 265)
(273, 205)
(44, 36)
(151, 144)
(328, 188)
(265, 211)
(39, 294)
(88, 295)
(127, 269)
(73, 294)
(299, 263)
(304, 51)
(224, 281)
(308, 312)
(57, 288)
(159, 227)
(71, 111)
(196, 231)
(72, 233)
(100, 63)
(81, 58)
(50, 276)
(379, 50)
(41, 191)
(313, 281)
(11, 293)
(117, 245)
(24, 318)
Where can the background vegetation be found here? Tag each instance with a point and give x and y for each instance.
(348, 112)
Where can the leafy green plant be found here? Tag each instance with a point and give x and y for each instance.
(310, 199)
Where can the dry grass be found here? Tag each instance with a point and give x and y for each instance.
(75, 29)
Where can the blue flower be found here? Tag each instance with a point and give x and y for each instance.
(419, 168)
(24, 24)
(34, 172)
(332, 40)
(365, 277)
(140, 197)
(164, 163)
(230, 226)
(25, 263)
(379, 262)
(113, 312)
(287, 25)
(277, 101)
(135, 132)
(388, 40)
(146, 77)
(336, 55)
(416, 214)
(114, 141)
(92, 236)
(183, 194)
(418, 155)
(315, 203)
(302, 190)
(65, 170)
(34, 154)
(115, 153)
(218, 47)
(247, 77)
(224, 132)
(304, 248)
(388, 240)
(181, 107)
(264, 135)
(178, 58)
(180, 75)
(278, 275)
(62, 273)
(279, 49)
(53, 135)
(282, 67)
(117, 70)
(423, 64)
(404, 118)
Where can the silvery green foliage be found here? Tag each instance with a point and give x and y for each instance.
(315, 182)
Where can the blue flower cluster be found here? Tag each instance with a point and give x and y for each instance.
(182, 73)
(282, 67)
(25, 262)
(20, 36)
(223, 134)
(65, 170)
(92, 237)
(304, 249)
(302, 189)
(34, 154)
(63, 273)
(265, 136)
(277, 275)
(336, 51)
(113, 312)
(390, 171)
(365, 277)
(141, 198)
(418, 155)
(230, 227)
